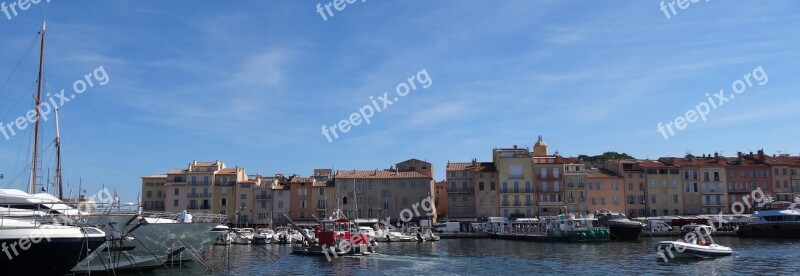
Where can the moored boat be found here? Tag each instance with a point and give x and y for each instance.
(619, 225)
(773, 223)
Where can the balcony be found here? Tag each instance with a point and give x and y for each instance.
(516, 176)
(196, 195)
(570, 185)
(321, 207)
(263, 197)
(529, 203)
(199, 207)
(553, 203)
(459, 191)
(581, 185)
(229, 183)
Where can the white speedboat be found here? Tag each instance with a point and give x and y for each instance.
(263, 236)
(242, 236)
(224, 237)
(695, 242)
(394, 236)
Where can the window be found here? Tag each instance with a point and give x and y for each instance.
(630, 186)
(652, 183)
(480, 186)
(516, 186)
(505, 187)
(224, 202)
(149, 194)
(492, 186)
(175, 203)
(555, 173)
(303, 204)
(177, 192)
(603, 201)
(556, 186)
(528, 187)
(594, 202)
(674, 183)
(243, 196)
(663, 183)
(631, 199)
(544, 186)
(543, 173)
(652, 198)
(675, 198)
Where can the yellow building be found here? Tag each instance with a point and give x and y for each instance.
(516, 178)
(153, 193)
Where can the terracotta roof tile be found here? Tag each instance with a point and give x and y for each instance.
(378, 174)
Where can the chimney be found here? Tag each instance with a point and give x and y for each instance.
(515, 146)
(716, 157)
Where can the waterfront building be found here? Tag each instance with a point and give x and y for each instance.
(153, 196)
(300, 208)
(744, 175)
(232, 195)
(575, 185)
(460, 190)
(690, 179)
(781, 167)
(516, 178)
(262, 207)
(635, 190)
(322, 191)
(486, 191)
(664, 189)
(605, 191)
(441, 198)
(281, 199)
(387, 193)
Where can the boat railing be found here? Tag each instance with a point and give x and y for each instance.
(525, 228)
(196, 217)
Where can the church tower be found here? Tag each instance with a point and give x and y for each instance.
(540, 148)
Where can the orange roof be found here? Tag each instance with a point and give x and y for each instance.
(479, 166)
(599, 173)
(226, 171)
(459, 166)
(376, 174)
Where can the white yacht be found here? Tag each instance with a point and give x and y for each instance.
(780, 222)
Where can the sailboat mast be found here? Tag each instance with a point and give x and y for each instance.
(36, 130)
(59, 183)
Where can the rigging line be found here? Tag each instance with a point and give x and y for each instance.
(22, 96)
(18, 67)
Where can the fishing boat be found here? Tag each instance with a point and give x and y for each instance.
(695, 242)
(335, 237)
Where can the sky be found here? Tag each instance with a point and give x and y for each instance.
(253, 83)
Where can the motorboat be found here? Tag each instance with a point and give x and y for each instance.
(695, 242)
(242, 236)
(29, 247)
(773, 223)
(394, 236)
(224, 237)
(263, 236)
(619, 225)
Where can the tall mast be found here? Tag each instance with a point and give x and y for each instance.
(36, 130)
(59, 183)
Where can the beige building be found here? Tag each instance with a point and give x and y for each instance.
(486, 190)
(384, 193)
(575, 183)
(460, 190)
(635, 189)
(664, 189)
(203, 187)
(605, 191)
(153, 193)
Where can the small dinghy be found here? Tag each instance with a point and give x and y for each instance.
(695, 242)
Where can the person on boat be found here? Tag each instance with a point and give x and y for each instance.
(187, 218)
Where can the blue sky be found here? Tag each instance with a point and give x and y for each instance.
(253, 83)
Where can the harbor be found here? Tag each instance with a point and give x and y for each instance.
(486, 256)
(399, 138)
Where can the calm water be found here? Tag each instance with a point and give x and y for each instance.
(487, 257)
